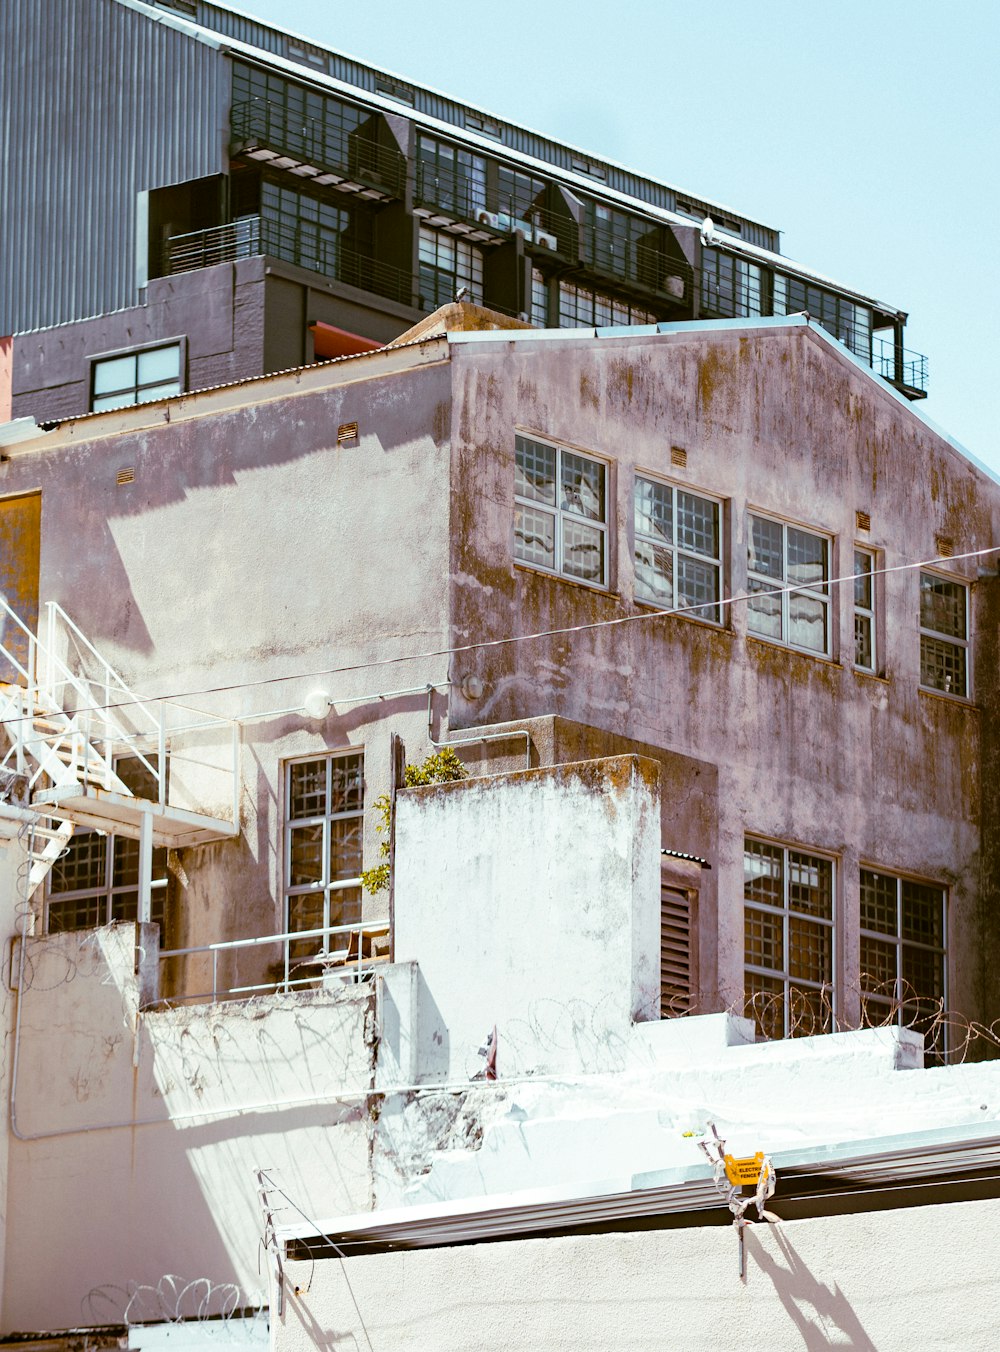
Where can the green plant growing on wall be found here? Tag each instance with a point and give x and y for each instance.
(441, 767)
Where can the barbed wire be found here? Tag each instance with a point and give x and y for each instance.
(176, 1300)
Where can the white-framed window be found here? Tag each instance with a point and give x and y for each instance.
(788, 926)
(865, 653)
(903, 951)
(96, 878)
(678, 549)
(944, 634)
(136, 377)
(447, 264)
(324, 828)
(789, 575)
(560, 511)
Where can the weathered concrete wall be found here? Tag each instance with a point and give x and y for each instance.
(868, 768)
(855, 1281)
(531, 901)
(138, 1135)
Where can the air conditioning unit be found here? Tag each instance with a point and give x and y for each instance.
(545, 240)
(489, 218)
(504, 222)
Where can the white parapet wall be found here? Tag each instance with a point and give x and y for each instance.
(529, 902)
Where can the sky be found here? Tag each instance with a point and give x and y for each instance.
(867, 133)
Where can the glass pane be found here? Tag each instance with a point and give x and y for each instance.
(765, 548)
(942, 606)
(863, 642)
(80, 913)
(167, 391)
(923, 973)
(807, 622)
(583, 551)
(653, 510)
(807, 558)
(810, 885)
(762, 873)
(878, 968)
(762, 939)
(582, 486)
(345, 908)
(160, 365)
(116, 374)
(763, 612)
(535, 471)
(922, 914)
(654, 573)
(125, 906)
(765, 1004)
(809, 950)
(698, 588)
(306, 913)
(347, 784)
(307, 789)
(345, 847)
(698, 525)
(942, 666)
(878, 902)
(534, 537)
(113, 401)
(862, 580)
(82, 865)
(306, 855)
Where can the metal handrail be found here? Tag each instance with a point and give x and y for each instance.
(287, 938)
(320, 142)
(461, 198)
(636, 261)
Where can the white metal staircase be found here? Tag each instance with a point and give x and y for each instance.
(68, 720)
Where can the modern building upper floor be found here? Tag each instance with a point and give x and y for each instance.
(305, 205)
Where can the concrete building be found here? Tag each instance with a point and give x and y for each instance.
(224, 199)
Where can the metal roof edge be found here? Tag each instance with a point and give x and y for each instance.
(188, 27)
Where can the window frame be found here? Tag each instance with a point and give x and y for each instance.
(785, 589)
(559, 514)
(825, 988)
(869, 613)
(961, 644)
(677, 550)
(99, 359)
(898, 942)
(320, 946)
(469, 271)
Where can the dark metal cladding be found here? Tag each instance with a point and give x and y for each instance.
(100, 102)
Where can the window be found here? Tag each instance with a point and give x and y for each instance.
(580, 307)
(301, 229)
(851, 323)
(677, 549)
(864, 610)
(136, 377)
(944, 634)
(96, 878)
(539, 299)
(451, 179)
(560, 513)
(788, 939)
(730, 287)
(448, 264)
(324, 821)
(902, 955)
(789, 572)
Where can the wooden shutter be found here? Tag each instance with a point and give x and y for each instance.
(676, 948)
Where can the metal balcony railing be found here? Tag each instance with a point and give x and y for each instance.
(459, 197)
(305, 244)
(913, 365)
(336, 150)
(636, 263)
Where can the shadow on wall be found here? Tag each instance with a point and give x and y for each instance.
(832, 1321)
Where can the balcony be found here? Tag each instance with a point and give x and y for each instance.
(904, 369)
(305, 247)
(325, 151)
(638, 264)
(456, 203)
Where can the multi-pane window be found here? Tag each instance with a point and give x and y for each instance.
(324, 822)
(582, 307)
(96, 878)
(789, 574)
(944, 634)
(560, 511)
(903, 954)
(851, 323)
(864, 609)
(136, 377)
(449, 178)
(730, 287)
(519, 195)
(539, 299)
(677, 549)
(788, 939)
(302, 229)
(447, 264)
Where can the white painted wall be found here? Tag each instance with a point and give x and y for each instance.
(139, 1135)
(895, 1281)
(531, 902)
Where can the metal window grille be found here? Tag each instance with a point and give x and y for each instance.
(903, 951)
(789, 573)
(864, 610)
(944, 634)
(560, 511)
(788, 939)
(678, 549)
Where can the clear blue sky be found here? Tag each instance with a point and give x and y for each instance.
(865, 131)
